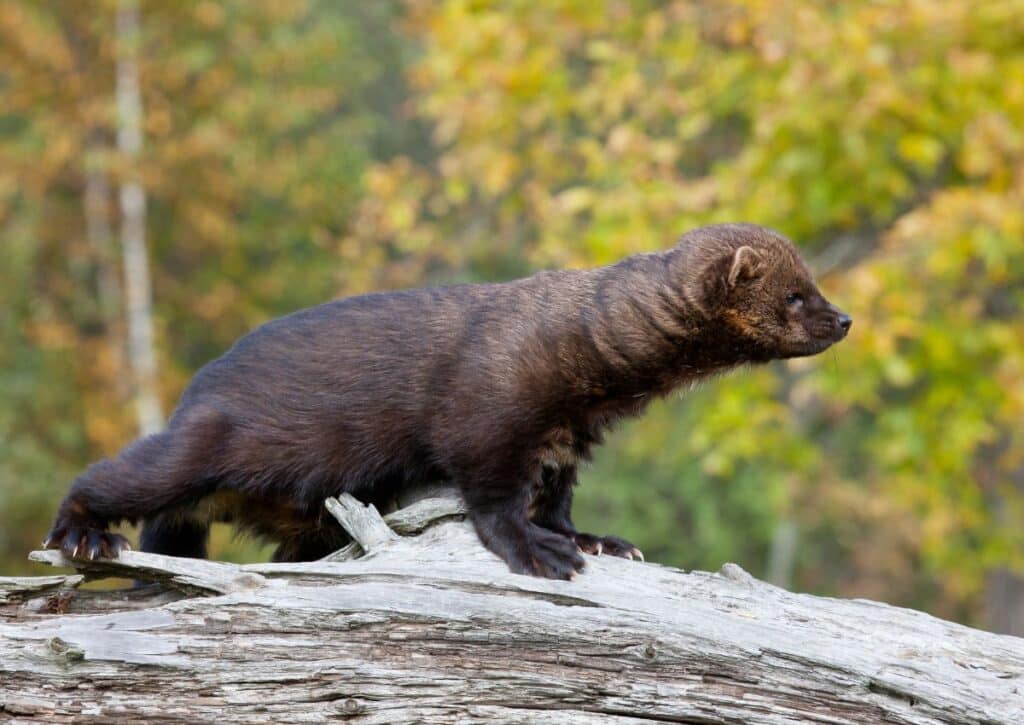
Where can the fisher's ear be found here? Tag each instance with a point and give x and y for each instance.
(747, 264)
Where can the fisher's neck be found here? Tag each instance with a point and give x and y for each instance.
(648, 334)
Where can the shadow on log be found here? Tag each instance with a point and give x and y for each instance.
(416, 622)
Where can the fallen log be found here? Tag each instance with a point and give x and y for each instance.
(416, 622)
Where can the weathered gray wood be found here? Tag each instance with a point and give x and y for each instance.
(415, 517)
(18, 588)
(434, 628)
(189, 575)
(362, 522)
(420, 514)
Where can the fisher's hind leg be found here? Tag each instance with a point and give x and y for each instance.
(161, 473)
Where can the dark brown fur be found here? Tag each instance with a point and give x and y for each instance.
(502, 388)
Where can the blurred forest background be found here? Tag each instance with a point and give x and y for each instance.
(176, 173)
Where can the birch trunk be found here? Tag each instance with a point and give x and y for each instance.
(138, 294)
(417, 622)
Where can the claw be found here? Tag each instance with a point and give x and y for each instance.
(608, 546)
(54, 538)
(85, 543)
(94, 545)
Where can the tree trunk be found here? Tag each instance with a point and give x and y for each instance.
(138, 295)
(1004, 602)
(96, 207)
(782, 558)
(416, 622)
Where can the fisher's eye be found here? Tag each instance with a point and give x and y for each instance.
(795, 299)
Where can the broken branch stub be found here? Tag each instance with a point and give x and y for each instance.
(362, 521)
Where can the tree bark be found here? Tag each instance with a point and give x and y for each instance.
(138, 294)
(416, 622)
